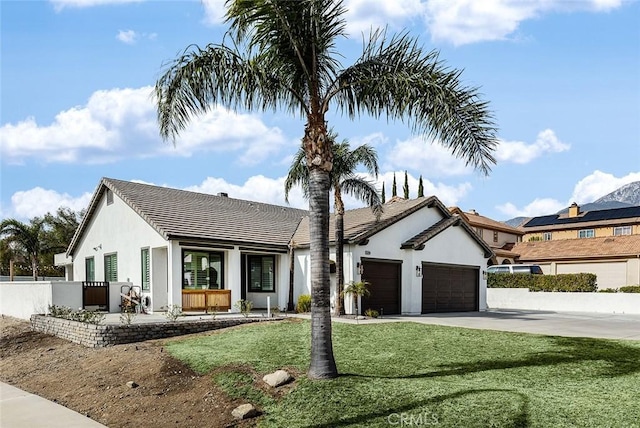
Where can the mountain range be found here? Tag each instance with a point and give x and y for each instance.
(626, 196)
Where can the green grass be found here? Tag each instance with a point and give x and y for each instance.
(453, 376)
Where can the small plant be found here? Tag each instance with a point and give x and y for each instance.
(127, 316)
(275, 311)
(59, 311)
(173, 312)
(608, 290)
(630, 289)
(213, 310)
(89, 317)
(244, 306)
(357, 289)
(371, 313)
(304, 303)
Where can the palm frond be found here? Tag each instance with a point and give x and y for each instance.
(365, 191)
(394, 77)
(298, 175)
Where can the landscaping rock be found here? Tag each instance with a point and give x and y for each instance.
(244, 411)
(278, 378)
(131, 384)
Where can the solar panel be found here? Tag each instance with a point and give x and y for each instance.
(610, 214)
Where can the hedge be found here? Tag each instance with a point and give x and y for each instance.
(625, 289)
(571, 282)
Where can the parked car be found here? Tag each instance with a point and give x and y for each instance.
(532, 269)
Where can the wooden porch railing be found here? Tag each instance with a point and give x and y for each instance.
(206, 300)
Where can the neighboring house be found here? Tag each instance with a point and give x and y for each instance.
(603, 242)
(614, 259)
(499, 236)
(185, 248)
(576, 224)
(418, 258)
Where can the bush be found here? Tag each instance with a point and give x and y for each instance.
(608, 290)
(173, 312)
(82, 315)
(244, 306)
(570, 282)
(630, 289)
(304, 303)
(371, 313)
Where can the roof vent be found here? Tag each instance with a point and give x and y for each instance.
(223, 194)
(473, 212)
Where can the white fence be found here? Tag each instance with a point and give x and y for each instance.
(21, 299)
(522, 298)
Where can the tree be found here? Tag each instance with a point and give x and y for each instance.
(420, 188)
(282, 54)
(357, 289)
(343, 180)
(394, 187)
(405, 188)
(25, 238)
(383, 197)
(61, 227)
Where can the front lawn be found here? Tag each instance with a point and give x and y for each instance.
(408, 374)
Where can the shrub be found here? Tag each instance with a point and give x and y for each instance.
(630, 289)
(82, 315)
(127, 316)
(304, 303)
(372, 313)
(608, 290)
(173, 312)
(59, 311)
(244, 306)
(571, 282)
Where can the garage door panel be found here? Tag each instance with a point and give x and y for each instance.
(449, 289)
(384, 280)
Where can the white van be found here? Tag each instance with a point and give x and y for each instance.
(532, 269)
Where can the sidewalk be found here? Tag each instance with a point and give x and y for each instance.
(19, 409)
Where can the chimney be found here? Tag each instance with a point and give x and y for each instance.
(574, 210)
(223, 194)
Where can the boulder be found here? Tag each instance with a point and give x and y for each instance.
(278, 378)
(131, 384)
(244, 411)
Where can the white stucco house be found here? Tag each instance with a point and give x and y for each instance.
(201, 251)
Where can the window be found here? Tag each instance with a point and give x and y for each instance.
(495, 236)
(109, 197)
(261, 273)
(90, 269)
(111, 267)
(586, 233)
(621, 230)
(546, 236)
(479, 231)
(202, 270)
(144, 262)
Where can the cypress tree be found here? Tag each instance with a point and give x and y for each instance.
(394, 189)
(406, 185)
(383, 197)
(420, 188)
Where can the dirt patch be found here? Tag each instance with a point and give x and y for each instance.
(93, 381)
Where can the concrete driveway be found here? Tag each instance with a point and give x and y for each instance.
(573, 324)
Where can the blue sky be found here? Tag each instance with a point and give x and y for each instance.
(562, 78)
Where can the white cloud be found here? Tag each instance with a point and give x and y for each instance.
(120, 123)
(430, 158)
(61, 4)
(377, 139)
(521, 153)
(598, 184)
(462, 22)
(38, 201)
(214, 11)
(540, 206)
(587, 190)
(128, 37)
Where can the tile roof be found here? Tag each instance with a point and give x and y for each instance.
(600, 216)
(181, 214)
(360, 224)
(476, 220)
(612, 246)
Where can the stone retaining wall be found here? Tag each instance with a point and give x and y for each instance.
(95, 336)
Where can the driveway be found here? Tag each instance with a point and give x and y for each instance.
(574, 324)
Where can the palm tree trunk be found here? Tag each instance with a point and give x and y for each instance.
(34, 268)
(323, 365)
(339, 308)
(290, 304)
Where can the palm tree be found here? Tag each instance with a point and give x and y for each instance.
(282, 54)
(27, 238)
(357, 289)
(343, 179)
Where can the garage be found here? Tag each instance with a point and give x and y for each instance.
(449, 288)
(384, 277)
(610, 274)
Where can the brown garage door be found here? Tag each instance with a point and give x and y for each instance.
(384, 278)
(449, 288)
